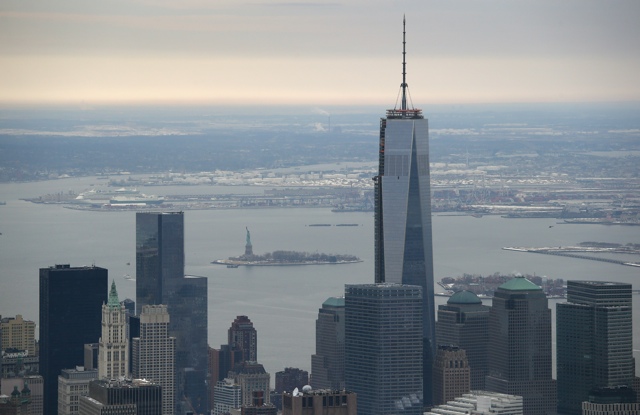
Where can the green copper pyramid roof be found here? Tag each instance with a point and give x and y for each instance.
(464, 297)
(334, 301)
(520, 283)
(113, 296)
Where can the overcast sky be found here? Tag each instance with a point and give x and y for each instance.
(332, 52)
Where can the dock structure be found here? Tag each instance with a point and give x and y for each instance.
(561, 252)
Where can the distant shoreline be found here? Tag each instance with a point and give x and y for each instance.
(235, 264)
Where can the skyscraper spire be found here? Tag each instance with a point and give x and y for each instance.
(113, 296)
(404, 65)
(403, 110)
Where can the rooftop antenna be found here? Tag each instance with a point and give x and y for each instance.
(404, 65)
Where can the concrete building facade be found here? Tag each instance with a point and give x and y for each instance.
(228, 396)
(464, 322)
(319, 402)
(122, 397)
(451, 374)
(72, 384)
(480, 403)
(19, 334)
(154, 353)
(243, 336)
(35, 385)
(113, 346)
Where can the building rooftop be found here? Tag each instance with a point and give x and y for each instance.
(464, 297)
(520, 283)
(334, 302)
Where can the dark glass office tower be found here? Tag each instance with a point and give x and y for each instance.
(403, 244)
(160, 279)
(520, 346)
(464, 322)
(70, 316)
(159, 256)
(594, 335)
(327, 365)
(383, 347)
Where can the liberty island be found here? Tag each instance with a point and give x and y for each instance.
(283, 258)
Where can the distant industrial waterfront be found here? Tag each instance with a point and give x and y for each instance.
(281, 301)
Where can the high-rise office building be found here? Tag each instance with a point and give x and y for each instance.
(451, 374)
(480, 403)
(327, 364)
(464, 322)
(72, 384)
(594, 337)
(319, 402)
(402, 212)
(122, 397)
(291, 378)
(383, 347)
(244, 337)
(70, 317)
(160, 279)
(154, 353)
(113, 347)
(520, 346)
(617, 400)
(159, 256)
(228, 396)
(19, 334)
(251, 377)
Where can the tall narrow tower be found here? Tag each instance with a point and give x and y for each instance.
(244, 337)
(403, 245)
(113, 347)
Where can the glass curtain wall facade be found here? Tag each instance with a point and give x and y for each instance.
(159, 256)
(70, 316)
(383, 347)
(160, 279)
(403, 240)
(520, 346)
(594, 335)
(402, 211)
(327, 365)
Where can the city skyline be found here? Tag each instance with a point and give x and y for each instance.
(295, 52)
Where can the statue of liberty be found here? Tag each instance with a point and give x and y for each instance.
(248, 248)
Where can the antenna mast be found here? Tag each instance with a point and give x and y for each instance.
(404, 65)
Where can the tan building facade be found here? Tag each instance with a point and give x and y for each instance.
(18, 333)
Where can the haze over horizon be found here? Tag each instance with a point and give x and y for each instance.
(318, 53)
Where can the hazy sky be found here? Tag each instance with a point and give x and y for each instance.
(318, 52)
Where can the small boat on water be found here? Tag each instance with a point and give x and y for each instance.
(232, 265)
